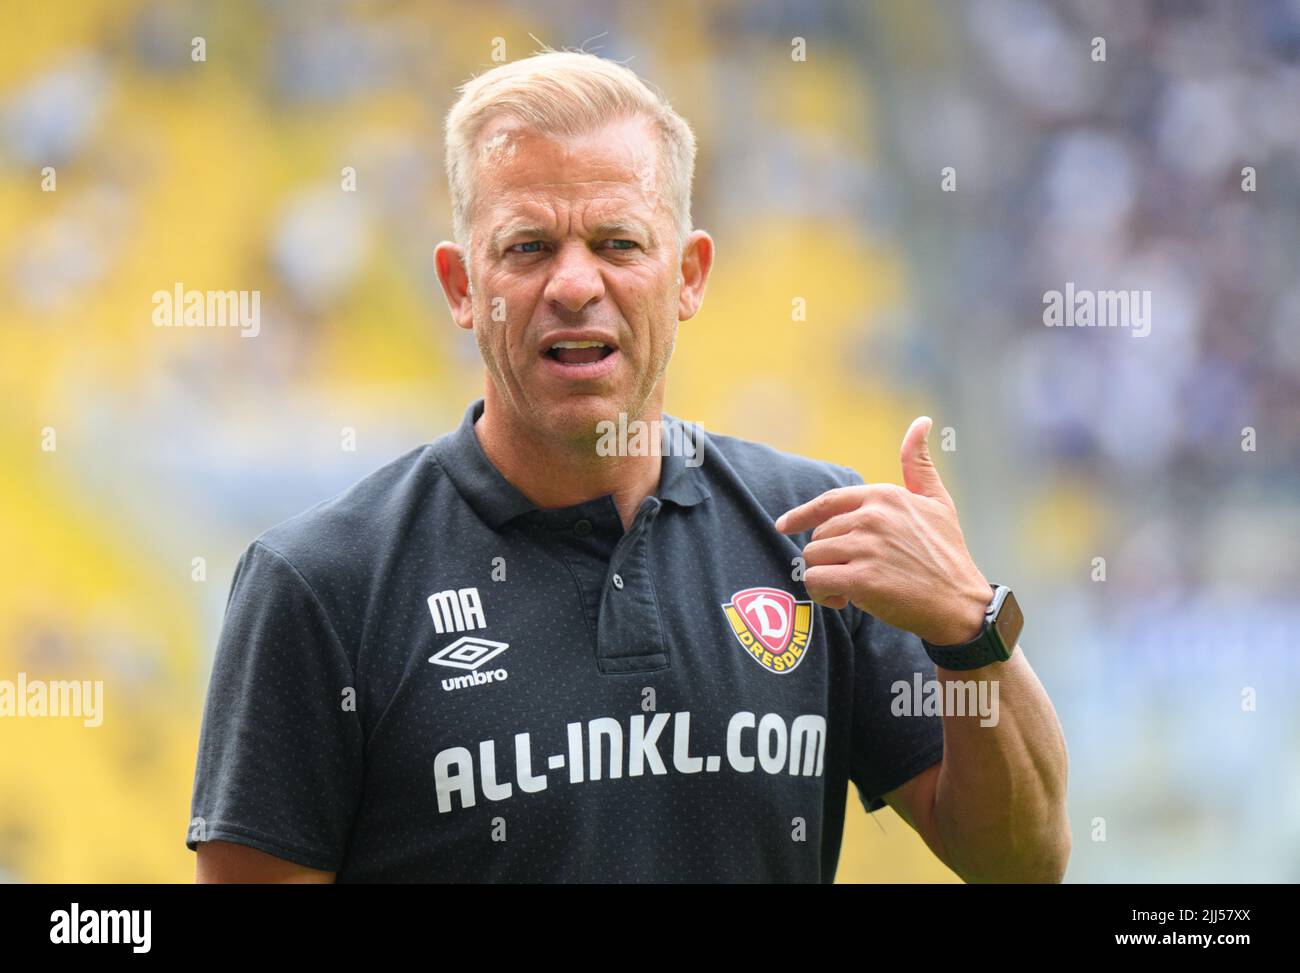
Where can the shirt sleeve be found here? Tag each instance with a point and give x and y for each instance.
(893, 738)
(889, 749)
(280, 751)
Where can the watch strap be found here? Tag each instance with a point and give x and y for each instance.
(986, 648)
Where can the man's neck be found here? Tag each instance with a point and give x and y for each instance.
(562, 473)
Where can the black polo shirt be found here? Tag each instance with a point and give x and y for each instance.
(428, 678)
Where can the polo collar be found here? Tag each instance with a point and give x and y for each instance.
(496, 501)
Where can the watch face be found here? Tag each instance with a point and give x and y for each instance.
(1009, 623)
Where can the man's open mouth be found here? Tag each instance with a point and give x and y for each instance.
(578, 352)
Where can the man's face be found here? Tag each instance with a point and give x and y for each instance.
(572, 242)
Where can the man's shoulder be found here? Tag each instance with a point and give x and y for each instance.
(776, 476)
(355, 524)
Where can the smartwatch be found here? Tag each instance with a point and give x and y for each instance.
(995, 642)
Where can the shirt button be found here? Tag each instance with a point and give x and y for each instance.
(618, 582)
(582, 528)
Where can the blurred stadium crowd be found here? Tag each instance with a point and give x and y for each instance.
(818, 179)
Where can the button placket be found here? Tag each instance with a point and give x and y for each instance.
(630, 635)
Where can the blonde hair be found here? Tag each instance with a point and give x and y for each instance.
(564, 94)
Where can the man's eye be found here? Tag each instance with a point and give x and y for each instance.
(630, 244)
(529, 243)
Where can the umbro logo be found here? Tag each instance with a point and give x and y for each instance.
(459, 610)
(470, 652)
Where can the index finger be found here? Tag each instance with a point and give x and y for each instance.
(808, 515)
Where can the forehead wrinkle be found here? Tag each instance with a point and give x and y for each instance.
(641, 172)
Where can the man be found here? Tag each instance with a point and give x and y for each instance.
(521, 653)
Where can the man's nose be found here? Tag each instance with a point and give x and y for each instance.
(575, 277)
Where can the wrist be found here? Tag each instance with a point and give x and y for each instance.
(965, 620)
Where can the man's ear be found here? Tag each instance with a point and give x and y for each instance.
(450, 265)
(697, 261)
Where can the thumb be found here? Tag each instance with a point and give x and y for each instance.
(919, 472)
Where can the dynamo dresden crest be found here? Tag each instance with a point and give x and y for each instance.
(773, 628)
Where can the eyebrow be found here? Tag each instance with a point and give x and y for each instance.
(607, 229)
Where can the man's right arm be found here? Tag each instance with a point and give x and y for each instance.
(225, 861)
